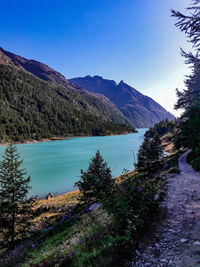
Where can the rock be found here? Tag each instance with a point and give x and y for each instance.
(163, 260)
(94, 206)
(137, 252)
(148, 264)
(197, 243)
(183, 240)
(42, 209)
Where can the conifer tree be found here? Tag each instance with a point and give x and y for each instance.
(144, 154)
(150, 154)
(156, 151)
(16, 209)
(187, 132)
(96, 181)
(188, 23)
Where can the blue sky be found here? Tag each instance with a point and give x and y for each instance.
(131, 40)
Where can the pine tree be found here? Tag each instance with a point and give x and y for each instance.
(96, 181)
(189, 98)
(189, 23)
(150, 154)
(187, 132)
(156, 152)
(144, 154)
(16, 209)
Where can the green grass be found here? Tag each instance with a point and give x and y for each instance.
(59, 247)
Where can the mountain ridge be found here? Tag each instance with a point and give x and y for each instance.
(31, 108)
(100, 104)
(140, 109)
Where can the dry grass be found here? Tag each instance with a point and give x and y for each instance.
(168, 145)
(69, 199)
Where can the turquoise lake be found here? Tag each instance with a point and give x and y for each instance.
(55, 166)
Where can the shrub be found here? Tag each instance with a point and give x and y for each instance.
(196, 164)
(174, 170)
(131, 203)
(190, 157)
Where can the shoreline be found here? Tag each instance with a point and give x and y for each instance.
(168, 147)
(61, 138)
(74, 192)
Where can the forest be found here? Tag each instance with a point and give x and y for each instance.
(33, 109)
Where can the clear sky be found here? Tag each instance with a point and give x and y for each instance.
(130, 40)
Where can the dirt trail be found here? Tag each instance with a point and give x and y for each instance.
(176, 241)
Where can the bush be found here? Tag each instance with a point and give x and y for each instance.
(131, 203)
(193, 158)
(190, 157)
(174, 170)
(196, 164)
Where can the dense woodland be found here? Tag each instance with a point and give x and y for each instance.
(33, 109)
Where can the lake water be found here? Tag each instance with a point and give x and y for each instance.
(55, 166)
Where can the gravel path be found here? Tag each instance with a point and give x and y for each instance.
(176, 241)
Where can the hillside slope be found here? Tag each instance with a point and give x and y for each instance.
(32, 109)
(99, 105)
(141, 110)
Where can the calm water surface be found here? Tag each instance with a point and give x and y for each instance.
(55, 166)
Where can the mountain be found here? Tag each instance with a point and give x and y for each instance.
(37, 68)
(96, 104)
(35, 108)
(142, 111)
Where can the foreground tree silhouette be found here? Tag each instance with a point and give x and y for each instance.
(16, 210)
(96, 181)
(150, 154)
(189, 23)
(187, 134)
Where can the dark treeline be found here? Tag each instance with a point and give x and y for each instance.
(188, 131)
(33, 109)
(161, 128)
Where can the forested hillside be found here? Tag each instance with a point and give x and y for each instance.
(34, 109)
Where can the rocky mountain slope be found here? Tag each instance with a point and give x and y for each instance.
(140, 110)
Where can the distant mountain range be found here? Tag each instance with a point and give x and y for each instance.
(103, 106)
(140, 110)
(37, 102)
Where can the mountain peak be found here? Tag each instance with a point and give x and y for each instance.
(141, 110)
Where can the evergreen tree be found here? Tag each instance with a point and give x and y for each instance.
(144, 154)
(16, 209)
(156, 151)
(96, 181)
(189, 23)
(187, 133)
(150, 154)
(189, 98)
